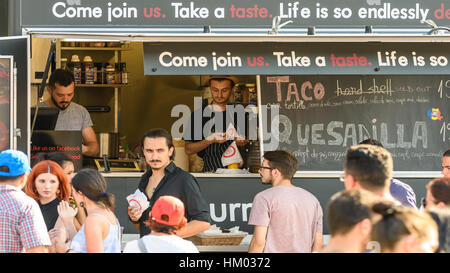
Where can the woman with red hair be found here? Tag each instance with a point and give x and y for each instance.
(50, 187)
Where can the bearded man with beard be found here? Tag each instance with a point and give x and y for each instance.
(72, 116)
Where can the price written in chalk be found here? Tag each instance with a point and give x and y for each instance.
(444, 88)
(445, 131)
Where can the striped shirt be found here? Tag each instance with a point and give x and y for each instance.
(22, 225)
(211, 155)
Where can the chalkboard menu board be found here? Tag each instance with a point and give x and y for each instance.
(321, 116)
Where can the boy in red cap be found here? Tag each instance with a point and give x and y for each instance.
(166, 218)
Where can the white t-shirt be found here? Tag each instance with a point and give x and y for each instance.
(162, 244)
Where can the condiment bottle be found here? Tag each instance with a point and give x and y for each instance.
(118, 77)
(76, 68)
(110, 75)
(252, 95)
(123, 73)
(237, 94)
(64, 63)
(88, 70)
(98, 72)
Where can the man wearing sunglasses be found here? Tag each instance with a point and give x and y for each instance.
(286, 218)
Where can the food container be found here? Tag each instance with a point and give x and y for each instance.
(110, 75)
(218, 239)
(97, 44)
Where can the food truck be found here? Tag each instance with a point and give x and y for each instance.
(320, 76)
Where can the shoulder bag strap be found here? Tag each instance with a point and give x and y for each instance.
(141, 246)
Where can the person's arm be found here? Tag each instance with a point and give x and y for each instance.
(258, 241)
(90, 146)
(195, 147)
(59, 241)
(192, 228)
(318, 242)
(39, 249)
(192, 147)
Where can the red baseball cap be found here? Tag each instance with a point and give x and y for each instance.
(168, 210)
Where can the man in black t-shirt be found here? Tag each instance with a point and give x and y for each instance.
(211, 147)
(165, 178)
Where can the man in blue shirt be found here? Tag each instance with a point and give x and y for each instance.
(399, 190)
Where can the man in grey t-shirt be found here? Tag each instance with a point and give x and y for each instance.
(286, 218)
(72, 116)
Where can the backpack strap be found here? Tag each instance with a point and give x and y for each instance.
(141, 246)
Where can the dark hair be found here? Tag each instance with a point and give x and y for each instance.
(58, 157)
(7, 178)
(440, 190)
(442, 218)
(157, 227)
(92, 184)
(370, 165)
(446, 153)
(62, 77)
(283, 161)
(399, 221)
(157, 133)
(371, 141)
(221, 80)
(347, 208)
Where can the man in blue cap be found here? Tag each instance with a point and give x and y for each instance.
(22, 226)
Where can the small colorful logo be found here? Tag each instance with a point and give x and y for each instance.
(434, 114)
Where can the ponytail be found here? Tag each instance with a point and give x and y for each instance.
(107, 199)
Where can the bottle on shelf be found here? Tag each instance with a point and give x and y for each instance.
(97, 74)
(237, 94)
(64, 63)
(123, 73)
(252, 94)
(76, 68)
(117, 76)
(110, 75)
(245, 93)
(89, 70)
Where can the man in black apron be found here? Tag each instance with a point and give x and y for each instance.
(211, 147)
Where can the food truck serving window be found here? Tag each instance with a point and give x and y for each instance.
(316, 100)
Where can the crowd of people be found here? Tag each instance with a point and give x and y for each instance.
(47, 208)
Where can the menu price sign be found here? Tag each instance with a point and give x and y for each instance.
(321, 116)
(68, 142)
